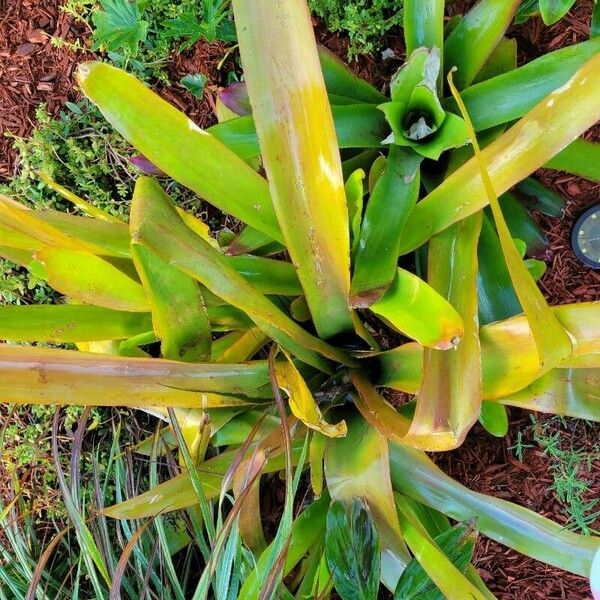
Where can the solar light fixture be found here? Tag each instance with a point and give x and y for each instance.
(585, 237)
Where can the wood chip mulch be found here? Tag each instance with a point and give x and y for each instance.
(32, 69)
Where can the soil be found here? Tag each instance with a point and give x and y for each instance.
(33, 70)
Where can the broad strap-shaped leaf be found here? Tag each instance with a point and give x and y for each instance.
(177, 146)
(415, 309)
(457, 543)
(440, 568)
(355, 192)
(34, 375)
(522, 225)
(356, 126)
(552, 341)
(515, 93)
(88, 278)
(495, 291)
(450, 395)
(161, 230)
(301, 400)
(423, 23)
(572, 392)
(526, 146)
(353, 551)
(502, 60)
(26, 229)
(178, 311)
(553, 11)
(494, 418)
(509, 355)
(580, 157)
(69, 323)
(357, 467)
(274, 277)
(299, 150)
(389, 206)
(474, 38)
(541, 198)
(238, 346)
(416, 476)
(179, 315)
(37, 225)
(341, 81)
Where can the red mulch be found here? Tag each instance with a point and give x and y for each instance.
(33, 71)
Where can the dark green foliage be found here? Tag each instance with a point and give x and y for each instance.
(551, 11)
(141, 36)
(457, 544)
(119, 26)
(364, 21)
(195, 84)
(352, 551)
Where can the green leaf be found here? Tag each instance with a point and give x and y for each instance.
(595, 25)
(522, 225)
(93, 280)
(119, 26)
(495, 291)
(161, 230)
(415, 309)
(580, 158)
(195, 84)
(389, 206)
(473, 40)
(352, 550)
(515, 93)
(423, 23)
(494, 418)
(178, 147)
(458, 544)
(541, 198)
(354, 189)
(178, 312)
(356, 466)
(416, 476)
(553, 11)
(69, 323)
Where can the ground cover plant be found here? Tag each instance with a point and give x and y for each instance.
(167, 280)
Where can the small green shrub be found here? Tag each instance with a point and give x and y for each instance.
(364, 21)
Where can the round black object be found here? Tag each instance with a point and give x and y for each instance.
(585, 237)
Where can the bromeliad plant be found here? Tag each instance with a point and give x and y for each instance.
(168, 320)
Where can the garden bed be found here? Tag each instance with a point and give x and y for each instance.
(33, 70)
